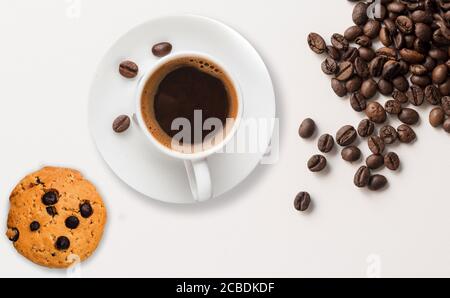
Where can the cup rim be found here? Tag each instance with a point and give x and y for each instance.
(171, 152)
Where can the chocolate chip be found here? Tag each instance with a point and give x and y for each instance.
(128, 69)
(86, 210)
(121, 123)
(302, 201)
(51, 210)
(34, 226)
(50, 198)
(72, 222)
(162, 49)
(62, 243)
(13, 234)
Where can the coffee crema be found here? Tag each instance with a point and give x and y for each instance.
(186, 88)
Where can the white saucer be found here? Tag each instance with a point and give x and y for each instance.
(129, 155)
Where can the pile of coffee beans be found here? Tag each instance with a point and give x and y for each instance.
(411, 65)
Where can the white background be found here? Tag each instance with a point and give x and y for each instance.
(48, 57)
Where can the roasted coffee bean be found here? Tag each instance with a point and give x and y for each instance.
(399, 40)
(439, 74)
(376, 144)
(400, 83)
(406, 134)
(51, 210)
(62, 243)
(393, 107)
(128, 69)
(415, 95)
(375, 112)
(409, 41)
(385, 87)
(446, 125)
(359, 14)
(411, 56)
(404, 68)
(317, 43)
(34, 226)
(325, 143)
(392, 161)
(390, 25)
(375, 161)
(372, 29)
(13, 234)
(302, 201)
(86, 210)
(432, 95)
(346, 135)
(366, 53)
(396, 7)
(333, 53)
(388, 134)
(358, 102)
(72, 222)
(422, 16)
(418, 70)
(445, 104)
(388, 53)
(409, 116)
(339, 42)
(345, 71)
(317, 163)
(307, 128)
(437, 117)
(329, 66)
(350, 55)
(421, 81)
(50, 198)
(361, 68)
(385, 37)
(363, 41)
(351, 153)
(338, 87)
(390, 70)
(423, 32)
(377, 182)
(400, 96)
(121, 123)
(353, 32)
(162, 49)
(366, 128)
(369, 88)
(429, 64)
(376, 66)
(444, 88)
(362, 177)
(405, 24)
(438, 54)
(353, 84)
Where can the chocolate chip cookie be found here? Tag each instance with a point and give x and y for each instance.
(56, 217)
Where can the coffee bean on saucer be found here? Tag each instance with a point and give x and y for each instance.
(393, 107)
(409, 116)
(325, 143)
(62, 243)
(128, 69)
(437, 117)
(406, 134)
(50, 198)
(388, 134)
(86, 210)
(121, 123)
(316, 43)
(302, 201)
(162, 49)
(392, 161)
(375, 161)
(346, 135)
(377, 182)
(34, 226)
(317, 163)
(362, 177)
(307, 128)
(375, 112)
(366, 128)
(376, 144)
(72, 222)
(351, 153)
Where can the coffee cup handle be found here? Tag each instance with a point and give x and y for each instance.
(199, 179)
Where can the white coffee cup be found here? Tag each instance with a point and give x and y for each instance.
(196, 163)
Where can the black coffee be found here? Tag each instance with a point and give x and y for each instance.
(188, 88)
